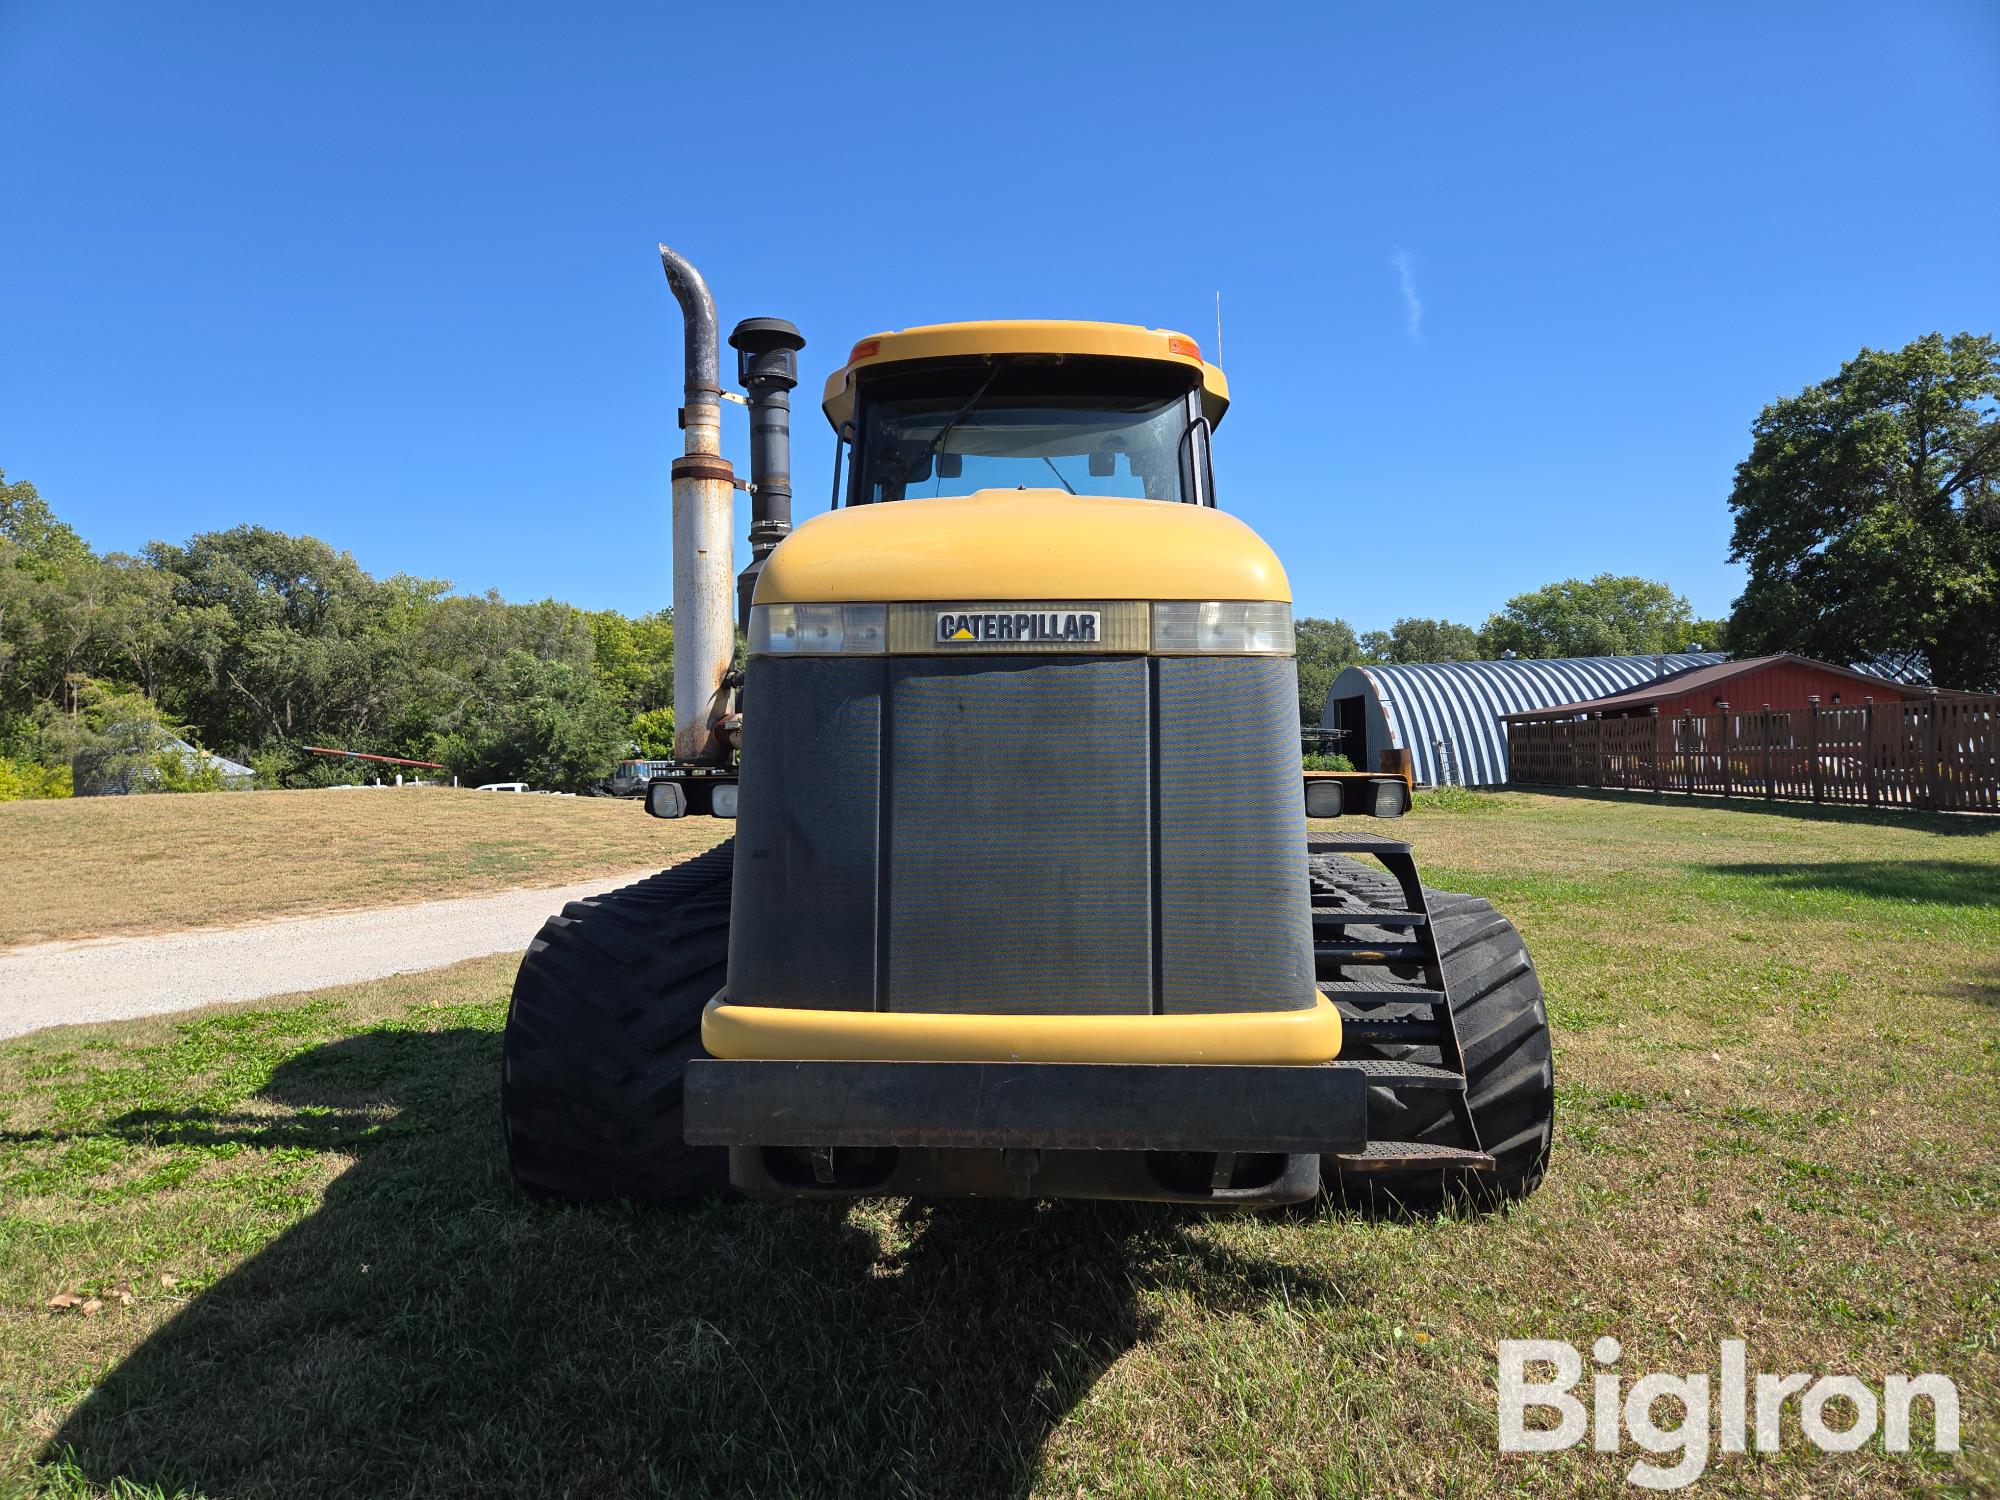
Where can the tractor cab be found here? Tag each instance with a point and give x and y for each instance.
(1092, 409)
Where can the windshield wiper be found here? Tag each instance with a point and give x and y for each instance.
(1058, 473)
(959, 415)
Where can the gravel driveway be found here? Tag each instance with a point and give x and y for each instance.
(115, 979)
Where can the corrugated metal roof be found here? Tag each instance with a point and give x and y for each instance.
(1447, 714)
(1701, 679)
(193, 757)
(1906, 667)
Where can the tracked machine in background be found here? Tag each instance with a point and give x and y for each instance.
(1021, 898)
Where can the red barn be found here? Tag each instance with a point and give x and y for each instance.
(1758, 682)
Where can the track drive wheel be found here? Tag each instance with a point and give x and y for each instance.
(606, 1014)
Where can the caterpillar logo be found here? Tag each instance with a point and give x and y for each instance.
(1074, 627)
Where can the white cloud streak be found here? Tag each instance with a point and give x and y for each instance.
(1413, 306)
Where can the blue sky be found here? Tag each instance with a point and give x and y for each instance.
(1503, 286)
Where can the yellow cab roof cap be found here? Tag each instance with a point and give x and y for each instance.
(1024, 336)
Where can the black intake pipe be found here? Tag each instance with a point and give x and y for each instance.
(767, 367)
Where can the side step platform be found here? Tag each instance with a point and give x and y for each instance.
(1404, 1156)
(1384, 1073)
(1327, 914)
(1352, 902)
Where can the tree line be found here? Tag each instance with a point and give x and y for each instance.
(254, 644)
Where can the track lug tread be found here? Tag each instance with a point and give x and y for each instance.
(605, 1017)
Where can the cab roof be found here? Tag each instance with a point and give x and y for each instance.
(1024, 336)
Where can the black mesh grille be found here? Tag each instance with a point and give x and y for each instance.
(1019, 836)
(1014, 802)
(802, 920)
(1235, 915)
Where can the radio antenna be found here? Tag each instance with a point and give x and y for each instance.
(1218, 323)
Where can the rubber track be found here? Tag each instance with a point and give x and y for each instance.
(606, 1013)
(1503, 1029)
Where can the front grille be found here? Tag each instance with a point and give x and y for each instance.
(1021, 834)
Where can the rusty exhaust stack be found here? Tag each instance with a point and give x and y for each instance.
(704, 491)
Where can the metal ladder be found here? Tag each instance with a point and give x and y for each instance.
(1381, 1007)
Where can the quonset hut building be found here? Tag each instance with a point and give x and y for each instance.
(1447, 714)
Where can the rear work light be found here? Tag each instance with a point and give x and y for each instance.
(1392, 799)
(1378, 796)
(819, 629)
(1222, 627)
(1324, 799)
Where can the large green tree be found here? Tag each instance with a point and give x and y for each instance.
(1609, 615)
(1704, 635)
(1420, 640)
(31, 527)
(547, 722)
(65, 615)
(1323, 647)
(635, 658)
(1868, 513)
(280, 638)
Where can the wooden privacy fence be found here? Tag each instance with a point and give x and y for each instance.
(1939, 751)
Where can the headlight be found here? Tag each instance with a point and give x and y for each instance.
(818, 629)
(1222, 627)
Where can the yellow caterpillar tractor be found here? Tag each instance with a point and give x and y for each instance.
(1021, 899)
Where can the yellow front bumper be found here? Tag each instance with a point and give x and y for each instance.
(1278, 1038)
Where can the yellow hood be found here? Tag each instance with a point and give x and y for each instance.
(1022, 544)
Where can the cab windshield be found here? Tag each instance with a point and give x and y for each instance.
(1004, 431)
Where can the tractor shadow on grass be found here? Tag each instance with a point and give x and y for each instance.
(1935, 882)
(426, 1331)
(1949, 824)
(1982, 988)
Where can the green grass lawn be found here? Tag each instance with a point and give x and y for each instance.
(1778, 1120)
